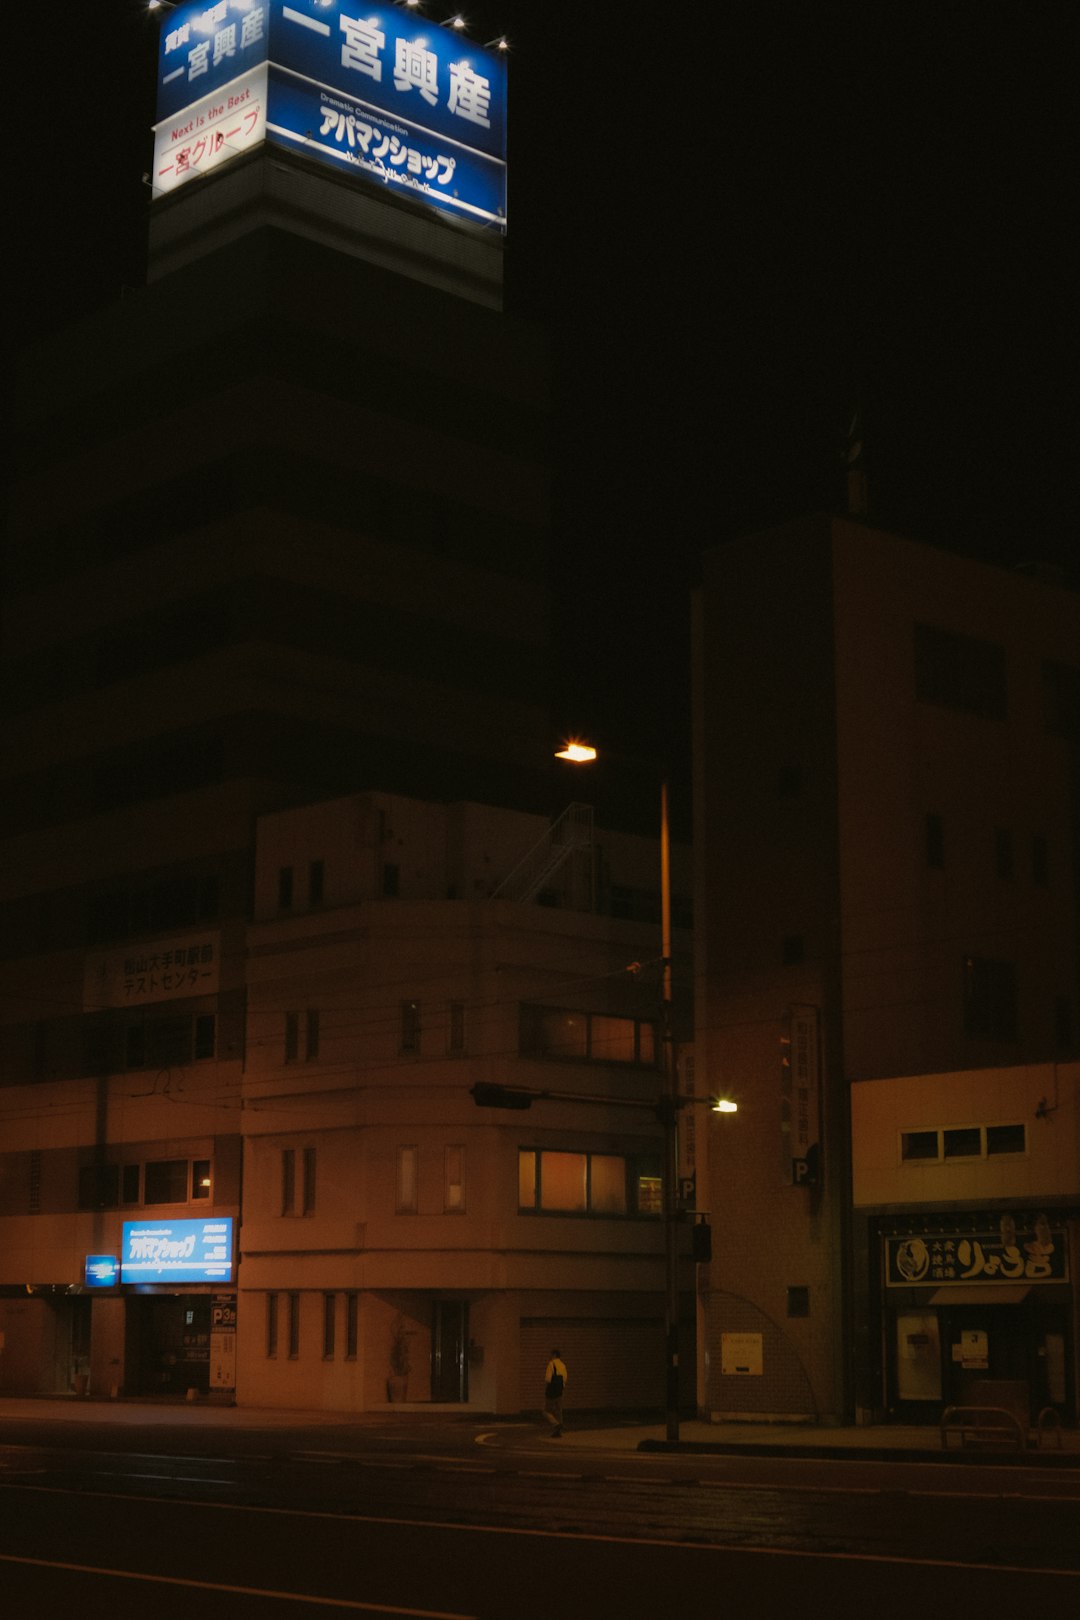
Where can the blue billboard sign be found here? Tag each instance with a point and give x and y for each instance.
(389, 96)
(101, 1271)
(177, 1251)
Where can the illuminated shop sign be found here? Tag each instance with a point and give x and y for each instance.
(380, 92)
(101, 1271)
(177, 1251)
(1015, 1253)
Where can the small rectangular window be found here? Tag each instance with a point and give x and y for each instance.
(410, 1026)
(607, 1184)
(352, 1324)
(935, 840)
(798, 1301)
(99, 1186)
(294, 1325)
(391, 880)
(288, 1181)
(990, 998)
(329, 1326)
(919, 1145)
(292, 1037)
(131, 1179)
(204, 1036)
(201, 1180)
(1006, 1139)
(963, 1143)
(527, 1158)
(165, 1181)
(316, 874)
(271, 1324)
(406, 1180)
(454, 1199)
(285, 888)
(308, 1198)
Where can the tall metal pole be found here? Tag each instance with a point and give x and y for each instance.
(670, 1114)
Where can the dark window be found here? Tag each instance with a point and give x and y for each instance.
(959, 672)
(1003, 853)
(561, 1033)
(935, 839)
(329, 1332)
(391, 880)
(1040, 860)
(285, 888)
(165, 1181)
(130, 1189)
(99, 1186)
(455, 1041)
(1061, 699)
(410, 1026)
(990, 998)
(271, 1324)
(963, 1143)
(918, 1145)
(315, 883)
(793, 949)
(204, 1036)
(294, 1325)
(352, 1323)
(798, 1301)
(1006, 1139)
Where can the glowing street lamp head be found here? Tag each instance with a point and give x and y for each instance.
(577, 753)
(724, 1105)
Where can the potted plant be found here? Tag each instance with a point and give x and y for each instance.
(397, 1385)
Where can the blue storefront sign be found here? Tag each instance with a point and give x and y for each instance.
(101, 1271)
(380, 92)
(177, 1251)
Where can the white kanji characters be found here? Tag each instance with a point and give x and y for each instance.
(215, 14)
(178, 37)
(970, 1254)
(363, 42)
(416, 68)
(224, 43)
(251, 29)
(199, 60)
(470, 95)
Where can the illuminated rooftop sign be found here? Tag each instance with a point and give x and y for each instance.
(379, 92)
(177, 1251)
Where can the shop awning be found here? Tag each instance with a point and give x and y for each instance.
(1002, 1294)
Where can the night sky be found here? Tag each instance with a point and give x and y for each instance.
(736, 222)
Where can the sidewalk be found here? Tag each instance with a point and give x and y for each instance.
(594, 1434)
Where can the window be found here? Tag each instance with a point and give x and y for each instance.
(285, 888)
(201, 1181)
(561, 1033)
(1003, 853)
(798, 1301)
(131, 1181)
(165, 1181)
(410, 1026)
(307, 1201)
(960, 672)
(455, 1038)
(168, 1042)
(555, 1182)
(352, 1324)
(316, 875)
(935, 840)
(99, 1186)
(294, 1325)
(310, 1023)
(271, 1324)
(990, 998)
(406, 1180)
(1061, 700)
(288, 1181)
(454, 1184)
(961, 1142)
(329, 1331)
(391, 880)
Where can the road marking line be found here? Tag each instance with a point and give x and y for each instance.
(552, 1535)
(242, 1591)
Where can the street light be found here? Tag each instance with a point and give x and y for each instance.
(579, 753)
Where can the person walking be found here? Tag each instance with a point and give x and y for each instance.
(555, 1376)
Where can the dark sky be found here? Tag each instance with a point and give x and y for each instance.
(736, 221)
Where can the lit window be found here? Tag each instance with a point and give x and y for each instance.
(406, 1180)
(454, 1201)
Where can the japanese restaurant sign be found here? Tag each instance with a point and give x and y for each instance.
(1034, 1254)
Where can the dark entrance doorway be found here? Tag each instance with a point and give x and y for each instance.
(168, 1344)
(449, 1350)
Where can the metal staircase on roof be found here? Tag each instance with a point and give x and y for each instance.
(570, 835)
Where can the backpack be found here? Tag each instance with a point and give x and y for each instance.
(554, 1386)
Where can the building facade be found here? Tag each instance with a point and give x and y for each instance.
(887, 816)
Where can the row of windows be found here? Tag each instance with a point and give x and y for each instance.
(182, 901)
(968, 674)
(962, 1142)
(158, 1181)
(557, 1032)
(141, 1040)
(1004, 852)
(560, 1183)
(283, 1317)
(303, 1030)
(408, 1180)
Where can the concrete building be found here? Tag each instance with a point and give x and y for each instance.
(887, 817)
(278, 530)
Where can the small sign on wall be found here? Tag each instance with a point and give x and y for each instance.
(741, 1355)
